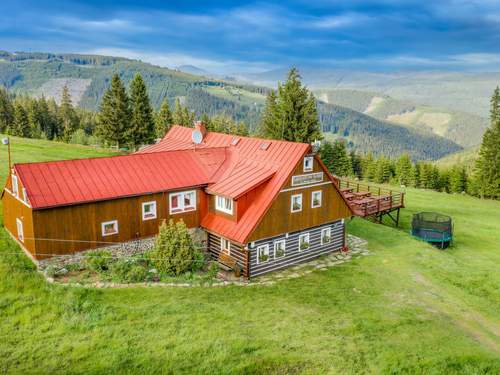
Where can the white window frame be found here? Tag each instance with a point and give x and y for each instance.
(144, 204)
(25, 196)
(276, 243)
(308, 160)
(103, 224)
(221, 203)
(182, 208)
(305, 235)
(15, 185)
(291, 202)
(20, 229)
(320, 192)
(223, 248)
(329, 230)
(266, 246)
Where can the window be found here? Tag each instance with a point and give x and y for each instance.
(225, 246)
(182, 201)
(262, 254)
(308, 163)
(20, 231)
(25, 196)
(279, 249)
(109, 227)
(15, 186)
(149, 210)
(296, 203)
(304, 242)
(305, 179)
(326, 236)
(316, 199)
(224, 204)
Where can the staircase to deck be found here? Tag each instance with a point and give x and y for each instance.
(370, 201)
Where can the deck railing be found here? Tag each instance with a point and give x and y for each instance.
(380, 199)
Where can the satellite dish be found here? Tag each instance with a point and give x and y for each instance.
(5, 141)
(197, 136)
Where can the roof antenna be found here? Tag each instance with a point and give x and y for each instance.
(6, 141)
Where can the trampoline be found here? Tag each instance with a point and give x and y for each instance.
(434, 228)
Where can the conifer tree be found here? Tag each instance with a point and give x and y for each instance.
(142, 128)
(356, 164)
(341, 162)
(114, 116)
(291, 114)
(457, 179)
(6, 111)
(487, 168)
(182, 115)
(404, 170)
(369, 167)
(326, 155)
(68, 118)
(163, 120)
(383, 170)
(20, 126)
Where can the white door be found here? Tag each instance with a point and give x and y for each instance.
(20, 231)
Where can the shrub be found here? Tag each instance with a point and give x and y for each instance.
(173, 252)
(129, 271)
(98, 260)
(198, 262)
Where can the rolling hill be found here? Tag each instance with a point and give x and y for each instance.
(87, 76)
(460, 127)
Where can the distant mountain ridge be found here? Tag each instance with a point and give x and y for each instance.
(87, 76)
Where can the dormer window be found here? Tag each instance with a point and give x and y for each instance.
(308, 164)
(224, 204)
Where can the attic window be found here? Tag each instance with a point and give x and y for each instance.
(234, 141)
(308, 164)
(264, 146)
(15, 186)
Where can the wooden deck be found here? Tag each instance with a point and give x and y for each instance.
(370, 201)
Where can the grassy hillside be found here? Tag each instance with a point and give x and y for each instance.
(366, 133)
(466, 157)
(460, 91)
(408, 308)
(460, 127)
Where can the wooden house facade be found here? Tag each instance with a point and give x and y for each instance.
(265, 204)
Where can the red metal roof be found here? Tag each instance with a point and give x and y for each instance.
(68, 182)
(228, 168)
(280, 156)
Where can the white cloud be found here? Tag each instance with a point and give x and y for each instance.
(115, 25)
(340, 21)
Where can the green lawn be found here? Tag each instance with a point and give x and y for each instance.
(407, 309)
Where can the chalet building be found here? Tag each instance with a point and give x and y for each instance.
(264, 204)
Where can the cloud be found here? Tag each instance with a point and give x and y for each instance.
(114, 25)
(340, 21)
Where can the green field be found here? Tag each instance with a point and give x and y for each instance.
(408, 309)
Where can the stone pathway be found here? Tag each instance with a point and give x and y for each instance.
(357, 248)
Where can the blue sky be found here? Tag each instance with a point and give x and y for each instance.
(247, 36)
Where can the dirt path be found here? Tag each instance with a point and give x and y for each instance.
(480, 328)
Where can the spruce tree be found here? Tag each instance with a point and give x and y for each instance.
(356, 164)
(182, 115)
(67, 114)
(292, 114)
(6, 111)
(20, 126)
(326, 155)
(383, 170)
(163, 119)
(142, 127)
(487, 168)
(457, 179)
(404, 170)
(369, 167)
(341, 162)
(114, 115)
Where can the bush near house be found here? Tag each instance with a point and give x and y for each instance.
(174, 251)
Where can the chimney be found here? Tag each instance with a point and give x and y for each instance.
(198, 125)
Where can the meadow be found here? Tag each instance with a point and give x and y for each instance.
(406, 309)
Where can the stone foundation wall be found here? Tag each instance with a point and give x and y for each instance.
(124, 249)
